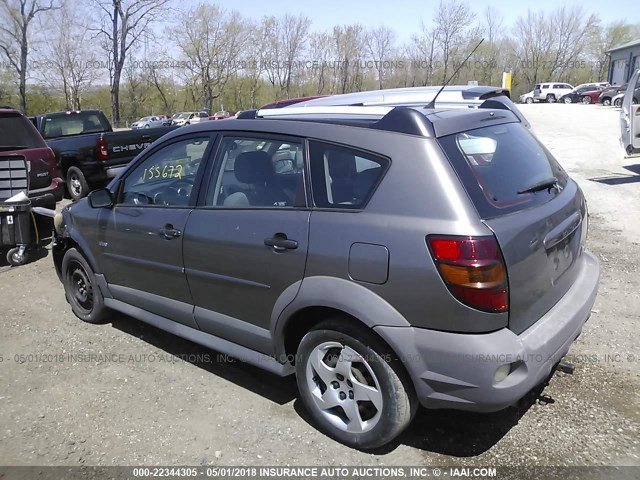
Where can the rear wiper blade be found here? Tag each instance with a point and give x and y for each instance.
(547, 184)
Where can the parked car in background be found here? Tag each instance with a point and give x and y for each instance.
(148, 122)
(181, 118)
(189, 118)
(630, 117)
(608, 94)
(527, 97)
(587, 94)
(550, 91)
(19, 139)
(169, 120)
(198, 117)
(221, 115)
(88, 152)
(600, 85)
(591, 96)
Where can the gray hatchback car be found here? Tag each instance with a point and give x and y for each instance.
(390, 257)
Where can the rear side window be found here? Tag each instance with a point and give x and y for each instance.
(16, 132)
(343, 177)
(73, 123)
(498, 164)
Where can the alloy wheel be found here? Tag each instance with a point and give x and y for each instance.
(344, 387)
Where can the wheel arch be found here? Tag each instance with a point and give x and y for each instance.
(66, 162)
(319, 298)
(72, 240)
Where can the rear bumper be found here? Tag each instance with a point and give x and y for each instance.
(454, 370)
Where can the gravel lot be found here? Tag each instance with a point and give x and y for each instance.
(162, 400)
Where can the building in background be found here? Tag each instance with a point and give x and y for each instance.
(625, 59)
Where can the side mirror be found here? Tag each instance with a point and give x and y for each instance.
(102, 198)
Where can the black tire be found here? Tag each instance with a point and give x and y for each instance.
(567, 100)
(606, 101)
(586, 99)
(16, 260)
(81, 289)
(375, 365)
(529, 100)
(77, 185)
(147, 126)
(551, 98)
(618, 103)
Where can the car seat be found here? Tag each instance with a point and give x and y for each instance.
(256, 170)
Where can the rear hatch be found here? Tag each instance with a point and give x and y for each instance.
(20, 139)
(537, 213)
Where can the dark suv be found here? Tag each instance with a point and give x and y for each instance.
(388, 256)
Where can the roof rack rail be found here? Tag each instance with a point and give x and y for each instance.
(399, 119)
(405, 120)
(324, 110)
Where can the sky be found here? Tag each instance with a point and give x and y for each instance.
(404, 16)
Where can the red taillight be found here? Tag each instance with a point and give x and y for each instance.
(473, 269)
(103, 153)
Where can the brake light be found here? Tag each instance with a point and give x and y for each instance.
(473, 269)
(103, 153)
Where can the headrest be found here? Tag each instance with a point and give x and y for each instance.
(254, 167)
(341, 164)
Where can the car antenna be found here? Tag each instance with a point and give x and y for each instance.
(432, 103)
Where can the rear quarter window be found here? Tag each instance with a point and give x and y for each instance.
(496, 163)
(17, 132)
(342, 177)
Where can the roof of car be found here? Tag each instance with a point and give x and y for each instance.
(405, 120)
(71, 112)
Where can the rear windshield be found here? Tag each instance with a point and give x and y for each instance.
(497, 164)
(75, 123)
(16, 132)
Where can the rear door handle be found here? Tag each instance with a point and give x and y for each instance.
(169, 233)
(280, 242)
